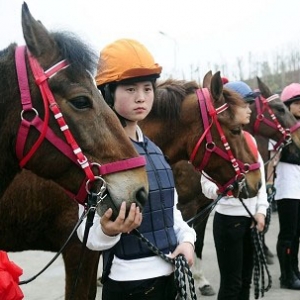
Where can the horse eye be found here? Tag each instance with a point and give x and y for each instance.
(81, 102)
(236, 131)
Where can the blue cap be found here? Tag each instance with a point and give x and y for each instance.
(243, 89)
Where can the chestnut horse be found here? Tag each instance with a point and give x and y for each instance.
(262, 125)
(30, 135)
(39, 220)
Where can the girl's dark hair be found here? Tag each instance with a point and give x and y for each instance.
(108, 90)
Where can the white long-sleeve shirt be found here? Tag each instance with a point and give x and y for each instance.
(232, 206)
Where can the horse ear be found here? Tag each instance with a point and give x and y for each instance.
(37, 38)
(263, 88)
(216, 86)
(207, 79)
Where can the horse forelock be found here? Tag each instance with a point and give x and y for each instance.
(169, 96)
(80, 56)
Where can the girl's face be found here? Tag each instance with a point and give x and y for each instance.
(295, 109)
(134, 101)
(243, 114)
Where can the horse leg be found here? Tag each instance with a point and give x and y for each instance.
(93, 286)
(86, 288)
(204, 286)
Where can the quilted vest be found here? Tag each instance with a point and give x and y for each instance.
(158, 219)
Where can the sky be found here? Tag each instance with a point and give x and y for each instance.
(187, 37)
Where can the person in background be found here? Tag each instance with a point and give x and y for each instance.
(126, 76)
(287, 185)
(232, 223)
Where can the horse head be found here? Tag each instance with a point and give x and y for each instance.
(72, 130)
(270, 118)
(238, 147)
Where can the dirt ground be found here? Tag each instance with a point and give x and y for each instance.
(50, 285)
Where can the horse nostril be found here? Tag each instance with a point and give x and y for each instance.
(141, 197)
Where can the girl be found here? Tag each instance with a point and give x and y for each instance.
(126, 77)
(288, 200)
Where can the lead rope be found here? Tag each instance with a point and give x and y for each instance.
(182, 271)
(259, 260)
(58, 253)
(91, 209)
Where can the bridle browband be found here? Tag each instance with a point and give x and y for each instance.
(209, 117)
(274, 123)
(69, 148)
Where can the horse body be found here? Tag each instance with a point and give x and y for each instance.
(41, 216)
(91, 122)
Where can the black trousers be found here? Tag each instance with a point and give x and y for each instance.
(160, 288)
(234, 248)
(289, 219)
(289, 226)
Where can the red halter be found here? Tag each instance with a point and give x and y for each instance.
(286, 132)
(208, 111)
(69, 148)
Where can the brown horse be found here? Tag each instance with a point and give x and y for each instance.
(187, 180)
(40, 220)
(35, 140)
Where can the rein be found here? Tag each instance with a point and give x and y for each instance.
(209, 117)
(260, 118)
(259, 260)
(182, 272)
(69, 148)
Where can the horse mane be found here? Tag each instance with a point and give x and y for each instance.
(169, 95)
(80, 56)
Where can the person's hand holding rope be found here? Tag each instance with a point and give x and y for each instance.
(260, 221)
(187, 250)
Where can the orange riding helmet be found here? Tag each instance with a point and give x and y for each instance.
(125, 59)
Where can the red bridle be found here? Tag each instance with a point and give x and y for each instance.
(209, 116)
(69, 147)
(260, 118)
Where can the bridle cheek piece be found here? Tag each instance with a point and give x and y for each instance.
(210, 116)
(69, 146)
(273, 123)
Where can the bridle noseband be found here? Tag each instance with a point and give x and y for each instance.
(273, 123)
(69, 147)
(210, 116)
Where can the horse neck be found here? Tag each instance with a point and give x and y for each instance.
(9, 91)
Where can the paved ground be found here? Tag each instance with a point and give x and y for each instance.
(50, 285)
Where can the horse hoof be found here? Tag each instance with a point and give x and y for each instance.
(207, 290)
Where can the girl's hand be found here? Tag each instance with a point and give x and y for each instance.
(122, 224)
(260, 219)
(186, 249)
